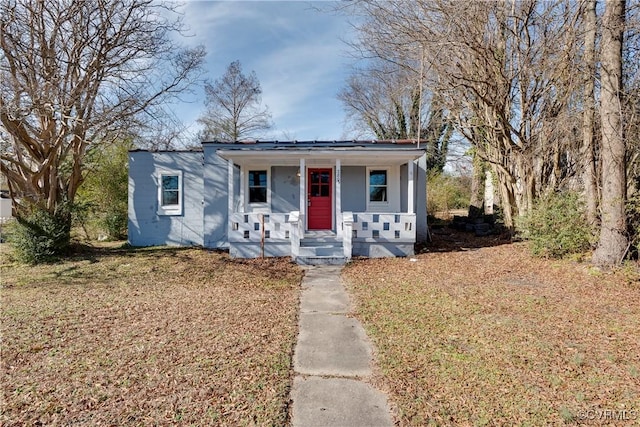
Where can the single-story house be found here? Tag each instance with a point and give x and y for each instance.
(318, 202)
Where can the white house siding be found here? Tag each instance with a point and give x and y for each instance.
(216, 201)
(420, 191)
(354, 188)
(285, 189)
(420, 201)
(146, 226)
(403, 188)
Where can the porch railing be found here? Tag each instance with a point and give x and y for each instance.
(390, 227)
(347, 233)
(259, 227)
(296, 223)
(262, 228)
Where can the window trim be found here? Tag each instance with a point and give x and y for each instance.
(371, 203)
(393, 186)
(170, 209)
(256, 205)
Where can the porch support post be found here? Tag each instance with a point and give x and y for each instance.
(303, 191)
(338, 197)
(410, 188)
(229, 195)
(243, 208)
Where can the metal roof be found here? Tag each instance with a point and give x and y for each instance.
(324, 145)
(373, 145)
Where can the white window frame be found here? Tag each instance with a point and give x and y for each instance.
(393, 185)
(257, 206)
(170, 209)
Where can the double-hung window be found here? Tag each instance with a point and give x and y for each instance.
(378, 185)
(257, 186)
(170, 193)
(383, 189)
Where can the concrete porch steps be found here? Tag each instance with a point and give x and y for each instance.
(320, 260)
(321, 249)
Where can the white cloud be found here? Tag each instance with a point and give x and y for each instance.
(296, 52)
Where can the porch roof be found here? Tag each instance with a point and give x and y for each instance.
(349, 152)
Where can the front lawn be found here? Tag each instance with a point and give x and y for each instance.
(147, 337)
(491, 336)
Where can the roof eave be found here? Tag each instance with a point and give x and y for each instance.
(348, 156)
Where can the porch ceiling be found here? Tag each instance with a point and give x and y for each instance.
(367, 157)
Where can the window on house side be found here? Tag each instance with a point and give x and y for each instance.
(170, 190)
(170, 193)
(257, 186)
(378, 186)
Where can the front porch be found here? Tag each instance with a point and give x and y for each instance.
(369, 234)
(321, 206)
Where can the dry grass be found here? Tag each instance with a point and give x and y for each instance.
(147, 337)
(490, 336)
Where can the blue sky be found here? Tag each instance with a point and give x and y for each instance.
(297, 52)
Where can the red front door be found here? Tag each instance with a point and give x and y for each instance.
(319, 189)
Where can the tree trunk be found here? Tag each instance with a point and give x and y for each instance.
(588, 148)
(507, 192)
(613, 242)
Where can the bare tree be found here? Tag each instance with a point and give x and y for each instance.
(588, 119)
(75, 75)
(521, 81)
(613, 242)
(502, 77)
(386, 101)
(233, 107)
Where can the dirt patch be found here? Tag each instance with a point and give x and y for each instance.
(477, 332)
(153, 336)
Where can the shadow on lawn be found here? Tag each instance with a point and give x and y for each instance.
(445, 238)
(93, 253)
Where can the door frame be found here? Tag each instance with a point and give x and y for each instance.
(330, 167)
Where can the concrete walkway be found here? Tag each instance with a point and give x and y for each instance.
(331, 356)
